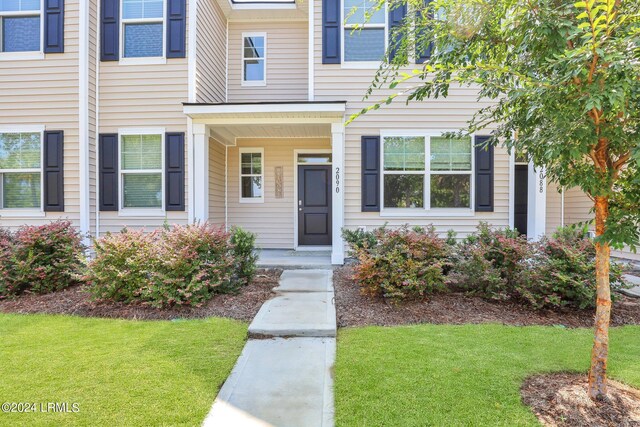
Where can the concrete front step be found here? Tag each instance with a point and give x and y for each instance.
(278, 382)
(296, 314)
(635, 281)
(305, 281)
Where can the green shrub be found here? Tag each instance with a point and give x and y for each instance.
(400, 264)
(40, 259)
(358, 239)
(244, 245)
(183, 265)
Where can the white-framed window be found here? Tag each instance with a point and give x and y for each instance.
(142, 33)
(254, 59)
(20, 27)
(365, 35)
(251, 175)
(21, 171)
(426, 172)
(141, 170)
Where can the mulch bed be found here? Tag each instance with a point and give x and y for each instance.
(562, 400)
(354, 309)
(77, 301)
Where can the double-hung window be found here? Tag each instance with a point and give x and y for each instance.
(20, 24)
(365, 34)
(142, 28)
(20, 170)
(426, 172)
(254, 65)
(141, 171)
(251, 175)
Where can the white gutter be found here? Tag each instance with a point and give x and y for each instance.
(281, 108)
(97, 135)
(311, 62)
(83, 118)
(192, 47)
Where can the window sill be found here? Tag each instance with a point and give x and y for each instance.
(253, 83)
(252, 201)
(422, 213)
(361, 65)
(21, 56)
(143, 61)
(19, 213)
(142, 213)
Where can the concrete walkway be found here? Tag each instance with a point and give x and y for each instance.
(284, 375)
(635, 290)
(289, 259)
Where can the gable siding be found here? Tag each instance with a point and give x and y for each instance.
(334, 82)
(45, 92)
(287, 64)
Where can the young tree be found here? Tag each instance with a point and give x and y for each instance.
(565, 80)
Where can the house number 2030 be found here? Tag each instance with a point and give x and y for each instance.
(337, 180)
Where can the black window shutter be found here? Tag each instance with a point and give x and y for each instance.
(484, 175)
(396, 16)
(110, 30)
(174, 174)
(331, 32)
(423, 53)
(53, 26)
(370, 174)
(53, 171)
(108, 152)
(176, 28)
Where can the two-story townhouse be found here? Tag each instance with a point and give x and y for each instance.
(230, 111)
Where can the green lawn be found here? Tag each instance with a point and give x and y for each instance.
(119, 372)
(460, 375)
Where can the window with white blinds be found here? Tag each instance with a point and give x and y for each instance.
(20, 170)
(141, 171)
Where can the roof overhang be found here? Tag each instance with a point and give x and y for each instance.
(266, 113)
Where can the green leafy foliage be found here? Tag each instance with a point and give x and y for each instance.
(40, 259)
(401, 264)
(183, 265)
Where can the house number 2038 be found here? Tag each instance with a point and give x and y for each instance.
(337, 180)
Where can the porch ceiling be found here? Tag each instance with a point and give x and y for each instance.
(228, 134)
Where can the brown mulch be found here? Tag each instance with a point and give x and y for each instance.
(561, 399)
(354, 309)
(77, 301)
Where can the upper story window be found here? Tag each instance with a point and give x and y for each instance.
(365, 32)
(426, 172)
(141, 170)
(251, 175)
(20, 170)
(254, 59)
(142, 28)
(20, 25)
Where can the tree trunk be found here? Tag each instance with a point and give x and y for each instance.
(600, 352)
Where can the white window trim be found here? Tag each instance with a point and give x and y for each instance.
(362, 65)
(242, 151)
(28, 55)
(25, 212)
(143, 60)
(427, 210)
(262, 82)
(141, 212)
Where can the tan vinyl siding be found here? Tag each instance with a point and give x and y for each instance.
(554, 209)
(335, 82)
(210, 53)
(45, 92)
(272, 220)
(287, 63)
(142, 96)
(577, 206)
(217, 162)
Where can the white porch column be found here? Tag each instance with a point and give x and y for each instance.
(337, 188)
(200, 173)
(537, 201)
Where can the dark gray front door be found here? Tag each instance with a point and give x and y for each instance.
(314, 205)
(521, 198)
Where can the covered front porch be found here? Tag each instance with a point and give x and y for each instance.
(275, 169)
